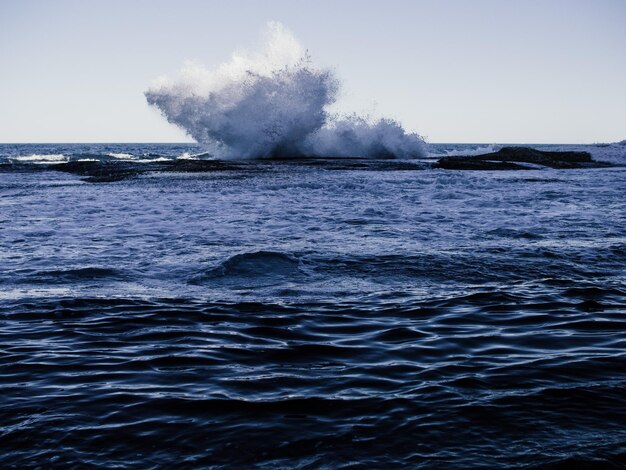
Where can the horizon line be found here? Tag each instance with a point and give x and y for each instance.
(197, 143)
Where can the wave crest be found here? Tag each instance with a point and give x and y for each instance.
(258, 266)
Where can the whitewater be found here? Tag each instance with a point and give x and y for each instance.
(274, 104)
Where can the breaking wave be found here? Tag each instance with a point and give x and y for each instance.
(42, 158)
(272, 105)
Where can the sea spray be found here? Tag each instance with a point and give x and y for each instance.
(274, 104)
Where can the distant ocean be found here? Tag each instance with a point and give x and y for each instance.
(303, 316)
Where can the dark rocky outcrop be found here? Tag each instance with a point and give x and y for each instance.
(115, 170)
(508, 158)
(473, 163)
(199, 166)
(99, 172)
(110, 171)
(520, 158)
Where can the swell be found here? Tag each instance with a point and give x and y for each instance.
(258, 265)
(513, 265)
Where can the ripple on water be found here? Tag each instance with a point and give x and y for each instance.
(176, 380)
(285, 315)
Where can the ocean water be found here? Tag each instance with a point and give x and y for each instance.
(283, 315)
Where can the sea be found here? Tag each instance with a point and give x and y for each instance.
(351, 314)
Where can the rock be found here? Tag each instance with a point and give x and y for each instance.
(99, 172)
(111, 171)
(200, 166)
(514, 158)
(469, 163)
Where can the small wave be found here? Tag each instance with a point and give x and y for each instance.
(122, 156)
(259, 264)
(195, 156)
(44, 158)
(155, 160)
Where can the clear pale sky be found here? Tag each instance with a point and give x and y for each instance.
(532, 71)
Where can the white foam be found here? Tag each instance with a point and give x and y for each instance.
(191, 156)
(44, 158)
(273, 103)
(122, 156)
(356, 136)
(153, 160)
(465, 151)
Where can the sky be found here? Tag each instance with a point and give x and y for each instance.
(491, 71)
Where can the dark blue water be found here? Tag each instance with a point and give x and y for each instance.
(302, 316)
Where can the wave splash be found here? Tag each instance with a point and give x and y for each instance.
(274, 105)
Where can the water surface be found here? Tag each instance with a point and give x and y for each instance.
(297, 316)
